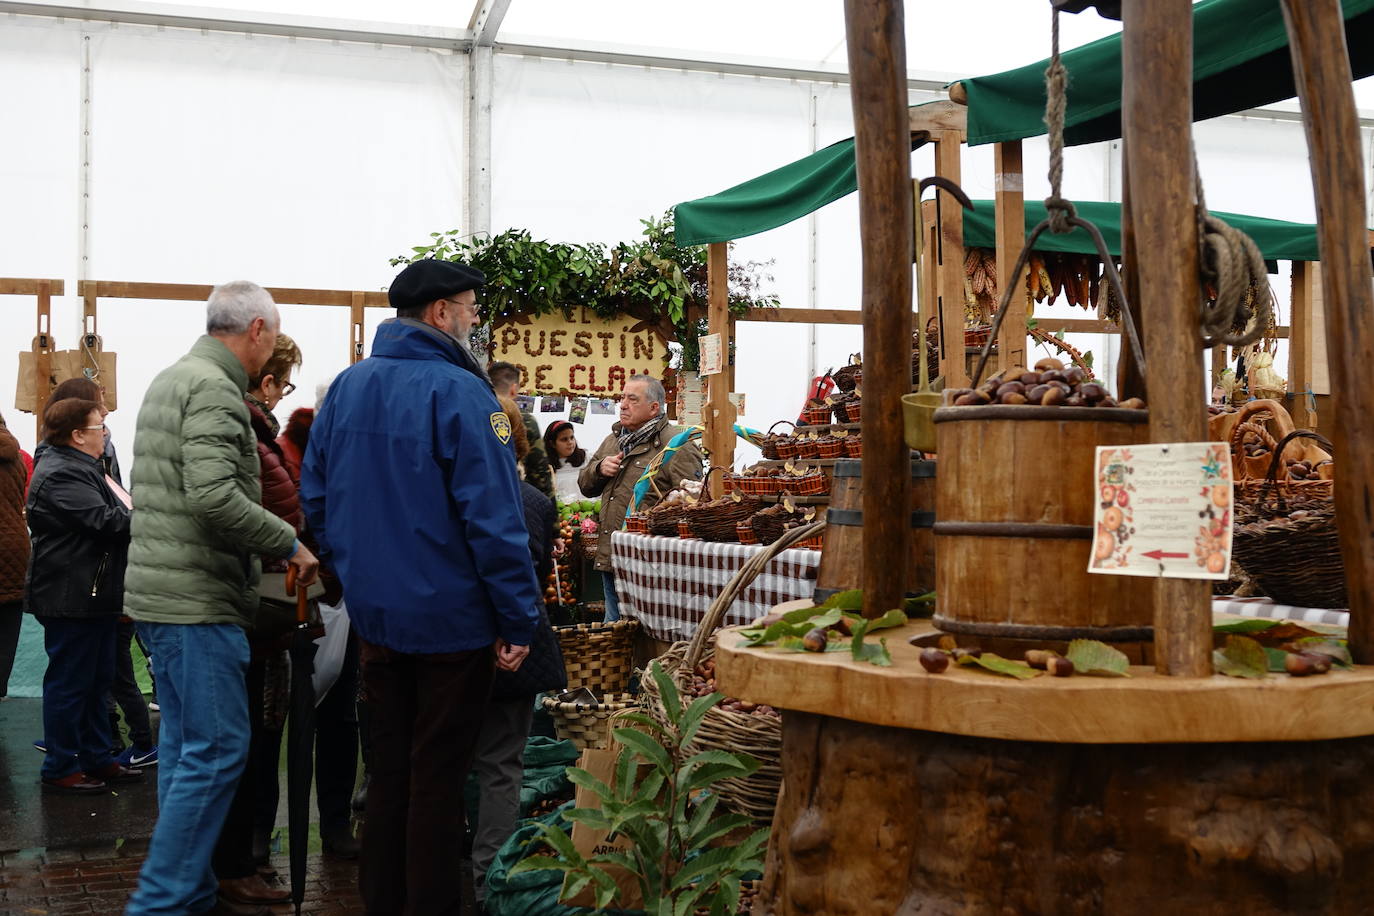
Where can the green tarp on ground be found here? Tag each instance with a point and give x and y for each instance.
(1277, 240)
(1240, 61)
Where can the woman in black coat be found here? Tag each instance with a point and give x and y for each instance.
(79, 520)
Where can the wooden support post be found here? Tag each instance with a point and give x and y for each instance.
(1009, 184)
(877, 64)
(949, 258)
(1157, 99)
(356, 328)
(1321, 67)
(1300, 340)
(719, 439)
(42, 363)
(1130, 379)
(90, 293)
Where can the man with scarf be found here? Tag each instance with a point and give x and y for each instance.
(410, 487)
(643, 432)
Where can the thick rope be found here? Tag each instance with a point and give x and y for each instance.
(1060, 209)
(1232, 261)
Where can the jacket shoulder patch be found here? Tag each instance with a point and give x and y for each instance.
(500, 424)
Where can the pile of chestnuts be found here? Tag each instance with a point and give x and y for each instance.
(1049, 384)
(703, 683)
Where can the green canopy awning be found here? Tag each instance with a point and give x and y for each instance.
(771, 200)
(1277, 240)
(1240, 61)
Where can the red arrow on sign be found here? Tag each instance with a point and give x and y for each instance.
(1160, 554)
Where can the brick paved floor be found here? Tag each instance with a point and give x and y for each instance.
(99, 879)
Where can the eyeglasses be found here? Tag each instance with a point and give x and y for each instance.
(475, 306)
(101, 427)
(287, 389)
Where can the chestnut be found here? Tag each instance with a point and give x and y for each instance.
(1053, 375)
(1036, 393)
(815, 640)
(1092, 391)
(1074, 375)
(933, 660)
(1132, 404)
(1059, 666)
(1108, 401)
(1030, 378)
(1075, 400)
(1012, 397)
(1049, 362)
(1054, 396)
(1039, 658)
(969, 400)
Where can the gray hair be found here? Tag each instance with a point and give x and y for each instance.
(234, 306)
(321, 390)
(653, 387)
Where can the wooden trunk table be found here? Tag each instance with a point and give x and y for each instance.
(972, 793)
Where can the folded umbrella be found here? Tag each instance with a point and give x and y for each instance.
(300, 739)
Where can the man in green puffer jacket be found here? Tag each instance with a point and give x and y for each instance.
(191, 585)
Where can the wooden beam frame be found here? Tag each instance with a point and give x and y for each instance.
(719, 438)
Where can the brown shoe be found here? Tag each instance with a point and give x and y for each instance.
(225, 907)
(252, 889)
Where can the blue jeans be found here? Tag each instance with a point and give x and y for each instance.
(612, 599)
(202, 747)
(81, 666)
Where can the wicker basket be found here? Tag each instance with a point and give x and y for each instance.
(817, 414)
(830, 447)
(1293, 561)
(787, 447)
(587, 544)
(636, 524)
(684, 530)
(812, 484)
(853, 411)
(771, 440)
(760, 737)
(808, 448)
(599, 656)
(716, 520)
(854, 446)
(849, 377)
(767, 525)
(587, 726)
(745, 532)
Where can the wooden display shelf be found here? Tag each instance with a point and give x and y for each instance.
(1145, 708)
(796, 500)
(782, 462)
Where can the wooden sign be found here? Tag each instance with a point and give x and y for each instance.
(586, 355)
(1163, 510)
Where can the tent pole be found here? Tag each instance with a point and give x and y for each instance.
(1321, 67)
(1157, 99)
(1300, 344)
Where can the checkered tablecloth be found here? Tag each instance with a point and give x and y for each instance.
(669, 583)
(1265, 607)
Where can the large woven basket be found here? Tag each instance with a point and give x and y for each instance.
(760, 737)
(716, 520)
(1292, 560)
(599, 656)
(587, 726)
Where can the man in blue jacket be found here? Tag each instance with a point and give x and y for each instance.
(409, 484)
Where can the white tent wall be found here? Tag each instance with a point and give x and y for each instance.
(309, 163)
(214, 157)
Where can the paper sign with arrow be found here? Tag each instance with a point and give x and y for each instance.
(1162, 510)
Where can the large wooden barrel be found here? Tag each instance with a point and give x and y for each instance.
(842, 559)
(1015, 506)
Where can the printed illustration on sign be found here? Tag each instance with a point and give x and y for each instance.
(1163, 510)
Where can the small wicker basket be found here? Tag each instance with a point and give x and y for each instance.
(587, 726)
(598, 656)
(817, 415)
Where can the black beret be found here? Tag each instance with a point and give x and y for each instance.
(425, 281)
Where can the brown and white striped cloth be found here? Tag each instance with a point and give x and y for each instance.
(669, 583)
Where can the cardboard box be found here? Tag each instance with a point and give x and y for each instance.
(589, 842)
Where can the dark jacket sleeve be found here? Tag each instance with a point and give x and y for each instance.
(540, 517)
(70, 499)
(484, 487)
